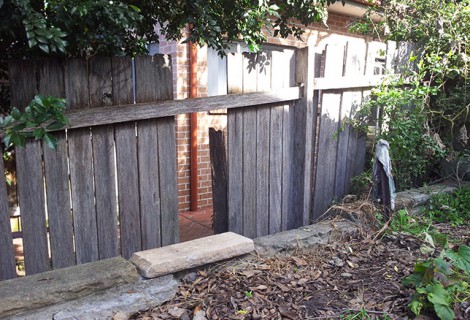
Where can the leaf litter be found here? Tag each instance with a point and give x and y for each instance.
(359, 272)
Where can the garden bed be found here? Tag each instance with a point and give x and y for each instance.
(359, 276)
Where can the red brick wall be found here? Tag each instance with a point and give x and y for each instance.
(338, 30)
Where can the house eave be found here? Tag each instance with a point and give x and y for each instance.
(352, 9)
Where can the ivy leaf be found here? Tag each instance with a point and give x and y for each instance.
(15, 113)
(55, 126)
(39, 133)
(50, 140)
(44, 47)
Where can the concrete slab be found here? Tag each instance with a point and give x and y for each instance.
(304, 237)
(160, 261)
(123, 301)
(57, 286)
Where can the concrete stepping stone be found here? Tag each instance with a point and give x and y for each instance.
(177, 257)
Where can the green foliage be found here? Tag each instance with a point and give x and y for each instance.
(440, 282)
(363, 315)
(87, 27)
(453, 208)
(404, 222)
(423, 110)
(361, 182)
(80, 28)
(249, 294)
(42, 115)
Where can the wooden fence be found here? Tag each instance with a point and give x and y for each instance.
(110, 187)
(71, 198)
(339, 91)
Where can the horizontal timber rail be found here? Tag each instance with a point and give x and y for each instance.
(142, 111)
(350, 82)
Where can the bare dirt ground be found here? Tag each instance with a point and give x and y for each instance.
(331, 281)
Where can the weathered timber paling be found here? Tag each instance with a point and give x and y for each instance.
(260, 152)
(51, 75)
(7, 265)
(219, 180)
(281, 171)
(341, 149)
(142, 161)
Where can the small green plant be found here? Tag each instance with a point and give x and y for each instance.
(363, 315)
(440, 283)
(415, 225)
(361, 182)
(453, 208)
(249, 294)
(42, 115)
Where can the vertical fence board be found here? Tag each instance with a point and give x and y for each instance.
(32, 204)
(29, 176)
(250, 77)
(275, 169)
(263, 69)
(148, 155)
(128, 186)
(106, 206)
(249, 173)
(343, 142)
(327, 151)
(355, 66)
(354, 137)
(361, 144)
(287, 155)
(168, 187)
(127, 166)
(262, 170)
(167, 155)
(122, 81)
(51, 82)
(100, 80)
(163, 77)
(235, 170)
(81, 165)
(150, 201)
(234, 73)
(329, 126)
(355, 58)
(303, 140)
(219, 179)
(7, 257)
(235, 146)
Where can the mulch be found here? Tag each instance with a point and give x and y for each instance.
(322, 282)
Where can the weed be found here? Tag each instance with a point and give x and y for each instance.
(440, 283)
(453, 208)
(363, 315)
(415, 225)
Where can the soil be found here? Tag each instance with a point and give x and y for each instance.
(323, 282)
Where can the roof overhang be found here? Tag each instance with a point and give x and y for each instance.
(352, 8)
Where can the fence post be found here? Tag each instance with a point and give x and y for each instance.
(305, 118)
(7, 258)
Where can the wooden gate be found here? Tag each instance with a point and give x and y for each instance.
(270, 147)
